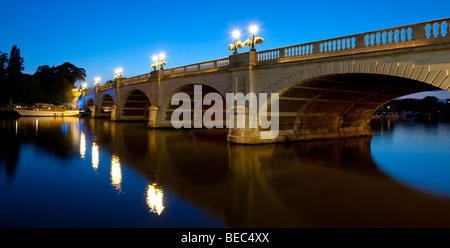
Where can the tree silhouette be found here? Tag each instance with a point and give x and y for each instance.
(14, 78)
(71, 72)
(3, 65)
(57, 82)
(47, 84)
(431, 99)
(15, 64)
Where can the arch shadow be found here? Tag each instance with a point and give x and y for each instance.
(135, 106)
(339, 105)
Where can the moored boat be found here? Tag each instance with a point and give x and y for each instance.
(44, 109)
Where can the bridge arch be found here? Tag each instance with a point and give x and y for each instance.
(89, 104)
(135, 105)
(339, 105)
(105, 104)
(435, 74)
(168, 108)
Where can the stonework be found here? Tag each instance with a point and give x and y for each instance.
(328, 89)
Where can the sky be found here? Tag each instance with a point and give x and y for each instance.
(101, 36)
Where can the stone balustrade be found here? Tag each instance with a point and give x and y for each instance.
(199, 67)
(136, 79)
(182, 70)
(104, 87)
(404, 36)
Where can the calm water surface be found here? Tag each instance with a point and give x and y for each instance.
(82, 172)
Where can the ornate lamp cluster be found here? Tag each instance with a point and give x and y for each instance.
(161, 63)
(97, 81)
(251, 43)
(118, 73)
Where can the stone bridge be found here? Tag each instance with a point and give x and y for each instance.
(327, 89)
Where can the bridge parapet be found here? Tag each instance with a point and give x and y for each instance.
(136, 79)
(418, 34)
(213, 65)
(89, 91)
(105, 87)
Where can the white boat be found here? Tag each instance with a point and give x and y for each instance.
(49, 110)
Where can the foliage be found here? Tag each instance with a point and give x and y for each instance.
(47, 84)
(3, 64)
(15, 63)
(58, 82)
(10, 75)
(429, 105)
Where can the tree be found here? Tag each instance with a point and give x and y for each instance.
(431, 99)
(71, 72)
(32, 90)
(3, 64)
(15, 65)
(58, 82)
(48, 84)
(14, 78)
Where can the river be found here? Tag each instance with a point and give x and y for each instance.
(83, 172)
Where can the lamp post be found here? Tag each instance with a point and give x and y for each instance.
(155, 62)
(162, 56)
(155, 58)
(118, 73)
(251, 43)
(255, 40)
(236, 34)
(118, 76)
(97, 81)
(253, 30)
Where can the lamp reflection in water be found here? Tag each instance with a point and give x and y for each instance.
(116, 173)
(95, 156)
(155, 198)
(82, 145)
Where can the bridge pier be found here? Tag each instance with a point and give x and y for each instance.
(241, 66)
(242, 132)
(94, 111)
(152, 116)
(114, 113)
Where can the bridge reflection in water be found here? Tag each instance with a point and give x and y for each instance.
(326, 183)
(308, 184)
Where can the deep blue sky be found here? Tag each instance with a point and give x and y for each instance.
(100, 36)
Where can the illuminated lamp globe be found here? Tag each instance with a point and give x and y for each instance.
(253, 29)
(236, 34)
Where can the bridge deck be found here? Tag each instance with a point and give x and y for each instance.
(413, 35)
